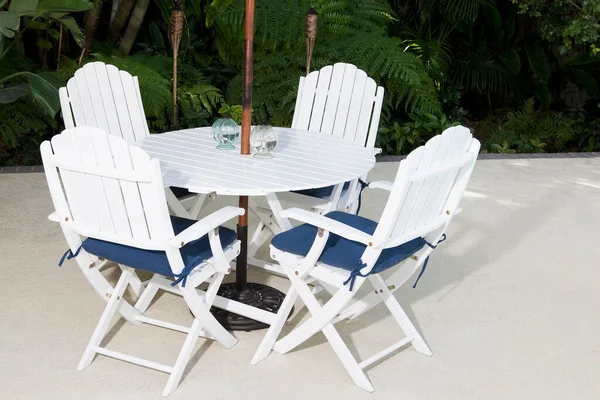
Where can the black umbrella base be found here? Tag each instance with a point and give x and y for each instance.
(255, 295)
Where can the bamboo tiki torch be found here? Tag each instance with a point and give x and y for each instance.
(311, 35)
(176, 32)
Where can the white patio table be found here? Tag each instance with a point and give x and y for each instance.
(302, 160)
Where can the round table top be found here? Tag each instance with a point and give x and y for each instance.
(302, 160)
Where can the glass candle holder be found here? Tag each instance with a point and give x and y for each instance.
(263, 140)
(225, 132)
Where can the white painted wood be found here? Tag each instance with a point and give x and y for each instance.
(95, 185)
(134, 360)
(432, 175)
(383, 353)
(101, 95)
(111, 186)
(108, 99)
(118, 91)
(84, 167)
(136, 110)
(356, 101)
(171, 326)
(307, 100)
(189, 160)
(374, 124)
(75, 184)
(346, 104)
(85, 98)
(298, 101)
(365, 115)
(318, 107)
(343, 107)
(333, 98)
(67, 114)
(104, 323)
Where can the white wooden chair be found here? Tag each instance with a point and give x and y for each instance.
(103, 96)
(110, 204)
(339, 100)
(341, 251)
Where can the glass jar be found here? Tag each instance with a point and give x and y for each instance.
(263, 140)
(225, 132)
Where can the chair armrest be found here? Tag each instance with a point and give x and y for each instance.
(385, 185)
(205, 225)
(328, 224)
(54, 217)
(377, 150)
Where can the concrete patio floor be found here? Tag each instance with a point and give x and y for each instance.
(510, 306)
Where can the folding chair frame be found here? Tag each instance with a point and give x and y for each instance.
(441, 162)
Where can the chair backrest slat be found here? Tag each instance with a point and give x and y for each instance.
(306, 100)
(112, 187)
(343, 106)
(100, 95)
(339, 100)
(318, 108)
(333, 97)
(130, 211)
(76, 191)
(428, 181)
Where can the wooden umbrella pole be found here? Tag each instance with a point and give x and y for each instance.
(242, 228)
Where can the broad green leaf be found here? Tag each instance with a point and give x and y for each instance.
(23, 6)
(9, 23)
(511, 60)
(193, 7)
(156, 37)
(13, 93)
(494, 20)
(43, 44)
(585, 81)
(64, 6)
(74, 28)
(44, 88)
(537, 60)
(543, 94)
(165, 7)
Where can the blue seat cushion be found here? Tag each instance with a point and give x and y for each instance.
(156, 261)
(322, 192)
(340, 252)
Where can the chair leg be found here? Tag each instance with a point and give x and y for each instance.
(210, 324)
(347, 359)
(136, 284)
(321, 320)
(147, 296)
(400, 316)
(192, 337)
(275, 329)
(183, 358)
(111, 308)
(321, 316)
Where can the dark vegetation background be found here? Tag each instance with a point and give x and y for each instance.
(523, 74)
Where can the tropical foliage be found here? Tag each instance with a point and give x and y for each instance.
(523, 74)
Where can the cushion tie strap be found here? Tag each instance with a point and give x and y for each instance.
(363, 185)
(182, 277)
(433, 246)
(68, 255)
(354, 273)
